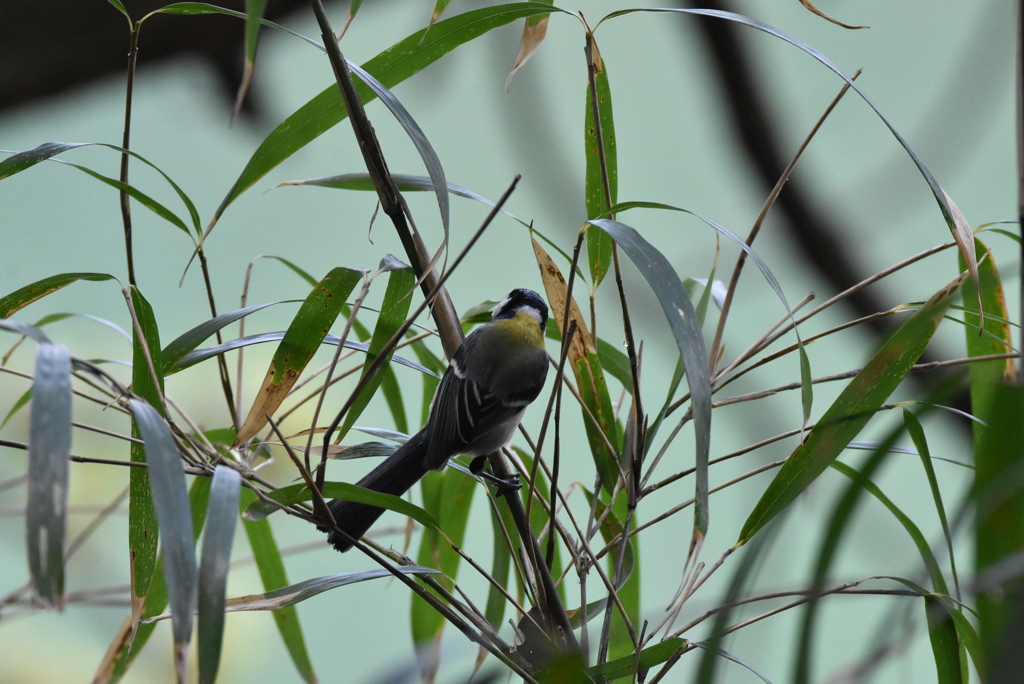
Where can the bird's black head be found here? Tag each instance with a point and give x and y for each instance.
(526, 301)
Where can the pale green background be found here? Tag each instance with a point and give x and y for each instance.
(941, 71)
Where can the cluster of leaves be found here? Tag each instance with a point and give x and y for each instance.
(544, 534)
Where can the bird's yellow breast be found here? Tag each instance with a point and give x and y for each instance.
(522, 329)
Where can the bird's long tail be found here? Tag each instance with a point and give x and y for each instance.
(396, 475)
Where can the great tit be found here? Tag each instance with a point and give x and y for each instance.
(491, 379)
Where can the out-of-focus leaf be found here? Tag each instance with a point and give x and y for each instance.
(985, 374)
(945, 645)
(24, 329)
(393, 312)
(628, 665)
(854, 407)
(272, 573)
(934, 572)
(171, 501)
(916, 433)
(22, 297)
(616, 363)
(221, 521)
(447, 497)
(304, 335)
(188, 341)
(49, 443)
(999, 532)
(599, 243)
(253, 18)
(390, 67)
(682, 319)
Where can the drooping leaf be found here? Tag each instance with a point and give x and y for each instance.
(682, 319)
(173, 512)
(221, 521)
(391, 67)
(49, 444)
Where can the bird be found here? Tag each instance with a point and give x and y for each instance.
(497, 371)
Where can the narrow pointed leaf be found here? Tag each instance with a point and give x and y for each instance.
(22, 297)
(272, 573)
(599, 243)
(585, 363)
(171, 501)
(49, 443)
(143, 528)
(24, 329)
(648, 658)
(200, 355)
(221, 520)
(305, 334)
(188, 341)
(851, 411)
(259, 509)
(131, 638)
(390, 67)
(682, 318)
(393, 312)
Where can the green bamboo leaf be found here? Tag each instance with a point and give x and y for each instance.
(272, 573)
(945, 645)
(393, 312)
(171, 501)
(934, 572)
(304, 335)
(854, 407)
(391, 67)
(616, 363)
(200, 355)
(682, 318)
(996, 340)
(23, 160)
(188, 341)
(22, 297)
(599, 243)
(299, 493)
(627, 666)
(131, 638)
(501, 562)
(143, 528)
(213, 569)
(916, 433)
(448, 497)
(999, 531)
(49, 443)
